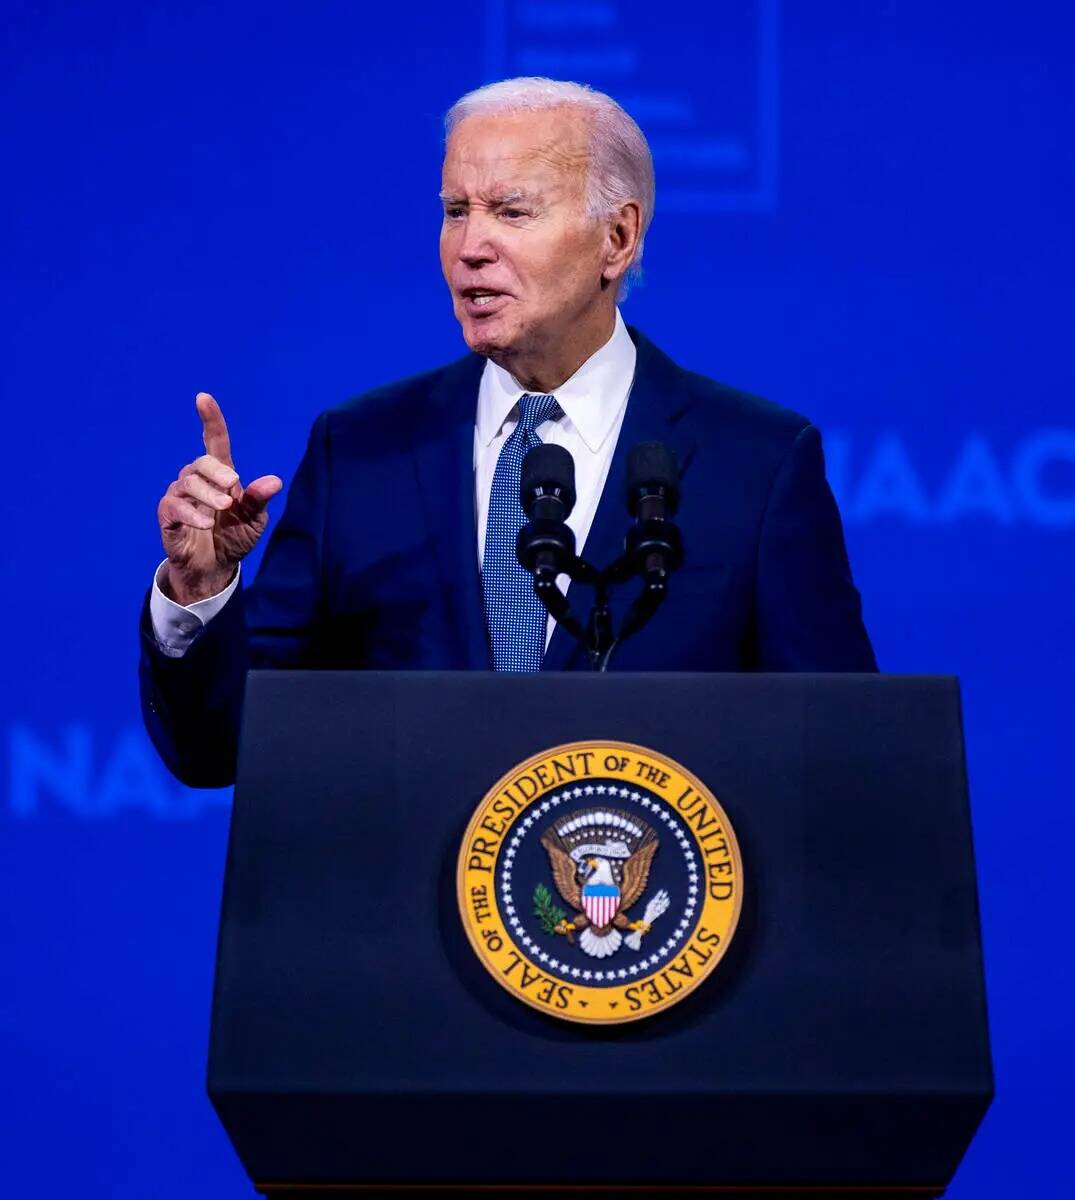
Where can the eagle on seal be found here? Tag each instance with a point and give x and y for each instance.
(600, 860)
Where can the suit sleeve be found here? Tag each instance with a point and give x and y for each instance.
(192, 705)
(809, 614)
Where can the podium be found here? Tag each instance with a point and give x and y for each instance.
(359, 1046)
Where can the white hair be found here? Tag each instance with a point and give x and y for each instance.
(621, 166)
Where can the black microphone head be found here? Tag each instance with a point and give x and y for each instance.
(548, 471)
(652, 469)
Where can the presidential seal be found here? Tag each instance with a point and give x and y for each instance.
(600, 882)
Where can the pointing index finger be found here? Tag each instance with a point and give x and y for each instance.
(214, 428)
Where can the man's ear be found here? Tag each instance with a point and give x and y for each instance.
(624, 232)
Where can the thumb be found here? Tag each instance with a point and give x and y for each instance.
(258, 493)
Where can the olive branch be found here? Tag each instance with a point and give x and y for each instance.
(546, 912)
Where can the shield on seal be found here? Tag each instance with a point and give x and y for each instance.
(600, 902)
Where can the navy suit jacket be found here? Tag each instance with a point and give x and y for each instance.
(374, 561)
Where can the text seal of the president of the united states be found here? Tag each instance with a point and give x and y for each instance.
(600, 882)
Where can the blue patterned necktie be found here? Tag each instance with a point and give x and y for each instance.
(514, 616)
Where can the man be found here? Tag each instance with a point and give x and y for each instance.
(396, 547)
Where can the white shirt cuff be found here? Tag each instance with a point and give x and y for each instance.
(176, 627)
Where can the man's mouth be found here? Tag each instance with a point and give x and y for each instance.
(479, 299)
(480, 295)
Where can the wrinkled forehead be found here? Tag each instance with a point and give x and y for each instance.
(518, 152)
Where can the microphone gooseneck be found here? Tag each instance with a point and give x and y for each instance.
(653, 547)
(546, 545)
(654, 544)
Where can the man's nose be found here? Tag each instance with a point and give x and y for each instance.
(477, 247)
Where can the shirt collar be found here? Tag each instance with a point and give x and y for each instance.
(591, 399)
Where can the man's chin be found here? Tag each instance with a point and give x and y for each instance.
(490, 337)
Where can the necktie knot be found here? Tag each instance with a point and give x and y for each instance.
(535, 409)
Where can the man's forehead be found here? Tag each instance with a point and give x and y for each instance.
(503, 151)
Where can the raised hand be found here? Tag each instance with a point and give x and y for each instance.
(209, 521)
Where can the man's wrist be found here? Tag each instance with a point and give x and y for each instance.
(186, 589)
(177, 626)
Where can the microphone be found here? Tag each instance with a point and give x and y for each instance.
(545, 545)
(654, 543)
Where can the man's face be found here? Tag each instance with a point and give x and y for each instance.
(521, 255)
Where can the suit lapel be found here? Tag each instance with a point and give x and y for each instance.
(444, 459)
(655, 412)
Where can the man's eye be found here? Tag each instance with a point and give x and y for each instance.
(453, 213)
(512, 213)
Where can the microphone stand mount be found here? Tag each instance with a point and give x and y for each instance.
(599, 638)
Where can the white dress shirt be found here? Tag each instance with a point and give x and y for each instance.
(593, 401)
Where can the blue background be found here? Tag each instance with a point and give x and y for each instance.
(863, 212)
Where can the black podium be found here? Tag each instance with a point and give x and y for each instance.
(841, 1047)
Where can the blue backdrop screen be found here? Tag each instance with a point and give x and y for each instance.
(863, 212)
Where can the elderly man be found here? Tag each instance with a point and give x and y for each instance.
(396, 547)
